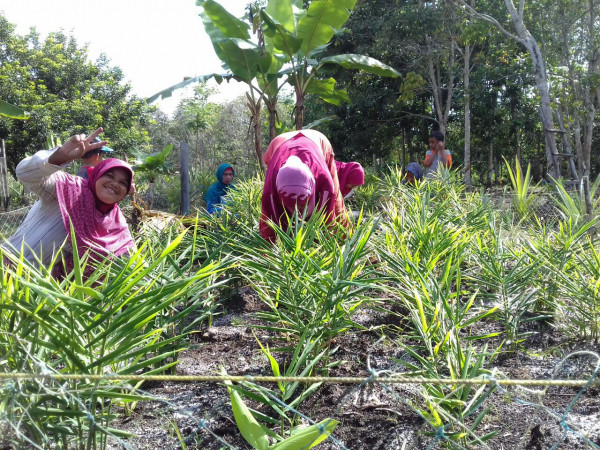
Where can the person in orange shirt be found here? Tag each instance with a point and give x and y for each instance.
(437, 156)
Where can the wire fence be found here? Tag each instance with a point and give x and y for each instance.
(185, 424)
(10, 220)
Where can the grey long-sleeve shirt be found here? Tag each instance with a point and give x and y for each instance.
(42, 232)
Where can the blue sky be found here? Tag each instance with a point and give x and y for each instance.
(155, 42)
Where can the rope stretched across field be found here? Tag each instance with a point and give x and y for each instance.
(307, 380)
(442, 433)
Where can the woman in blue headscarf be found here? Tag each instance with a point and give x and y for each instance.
(412, 173)
(215, 194)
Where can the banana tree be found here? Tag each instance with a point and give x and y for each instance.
(249, 62)
(290, 39)
(12, 111)
(300, 36)
(154, 165)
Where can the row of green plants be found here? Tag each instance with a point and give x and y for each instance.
(445, 260)
(129, 316)
(448, 259)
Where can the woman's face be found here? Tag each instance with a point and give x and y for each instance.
(113, 185)
(227, 177)
(410, 178)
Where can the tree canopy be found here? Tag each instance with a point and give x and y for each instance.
(65, 94)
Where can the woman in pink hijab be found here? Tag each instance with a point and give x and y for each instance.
(301, 174)
(350, 175)
(65, 201)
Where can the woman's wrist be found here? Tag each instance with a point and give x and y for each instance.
(57, 158)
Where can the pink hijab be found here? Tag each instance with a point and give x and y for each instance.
(349, 173)
(296, 186)
(98, 227)
(303, 169)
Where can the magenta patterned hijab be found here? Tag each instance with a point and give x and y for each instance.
(349, 173)
(296, 186)
(98, 227)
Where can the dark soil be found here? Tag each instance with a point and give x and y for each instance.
(373, 416)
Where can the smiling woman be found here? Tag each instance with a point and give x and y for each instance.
(88, 206)
(113, 185)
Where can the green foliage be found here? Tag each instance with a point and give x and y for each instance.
(257, 435)
(311, 283)
(122, 318)
(580, 294)
(64, 94)
(524, 199)
(154, 163)
(243, 202)
(290, 37)
(12, 111)
(504, 278)
(465, 283)
(572, 203)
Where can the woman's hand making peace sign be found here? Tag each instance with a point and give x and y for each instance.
(75, 147)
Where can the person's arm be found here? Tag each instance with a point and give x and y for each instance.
(35, 172)
(447, 159)
(429, 157)
(211, 202)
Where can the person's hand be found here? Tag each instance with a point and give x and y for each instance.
(440, 147)
(75, 147)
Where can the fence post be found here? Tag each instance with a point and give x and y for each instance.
(4, 193)
(184, 173)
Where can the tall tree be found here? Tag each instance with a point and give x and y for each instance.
(525, 38)
(65, 93)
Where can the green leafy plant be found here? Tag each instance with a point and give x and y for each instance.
(153, 165)
(504, 278)
(439, 318)
(524, 198)
(121, 319)
(311, 281)
(572, 203)
(257, 435)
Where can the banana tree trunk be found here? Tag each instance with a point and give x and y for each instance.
(255, 106)
(271, 105)
(299, 108)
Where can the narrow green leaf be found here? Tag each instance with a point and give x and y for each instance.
(308, 437)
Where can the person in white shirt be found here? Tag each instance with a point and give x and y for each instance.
(65, 201)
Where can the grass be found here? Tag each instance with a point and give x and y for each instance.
(442, 258)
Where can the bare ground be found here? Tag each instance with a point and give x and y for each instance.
(372, 417)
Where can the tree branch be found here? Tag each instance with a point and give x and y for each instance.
(521, 8)
(491, 20)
